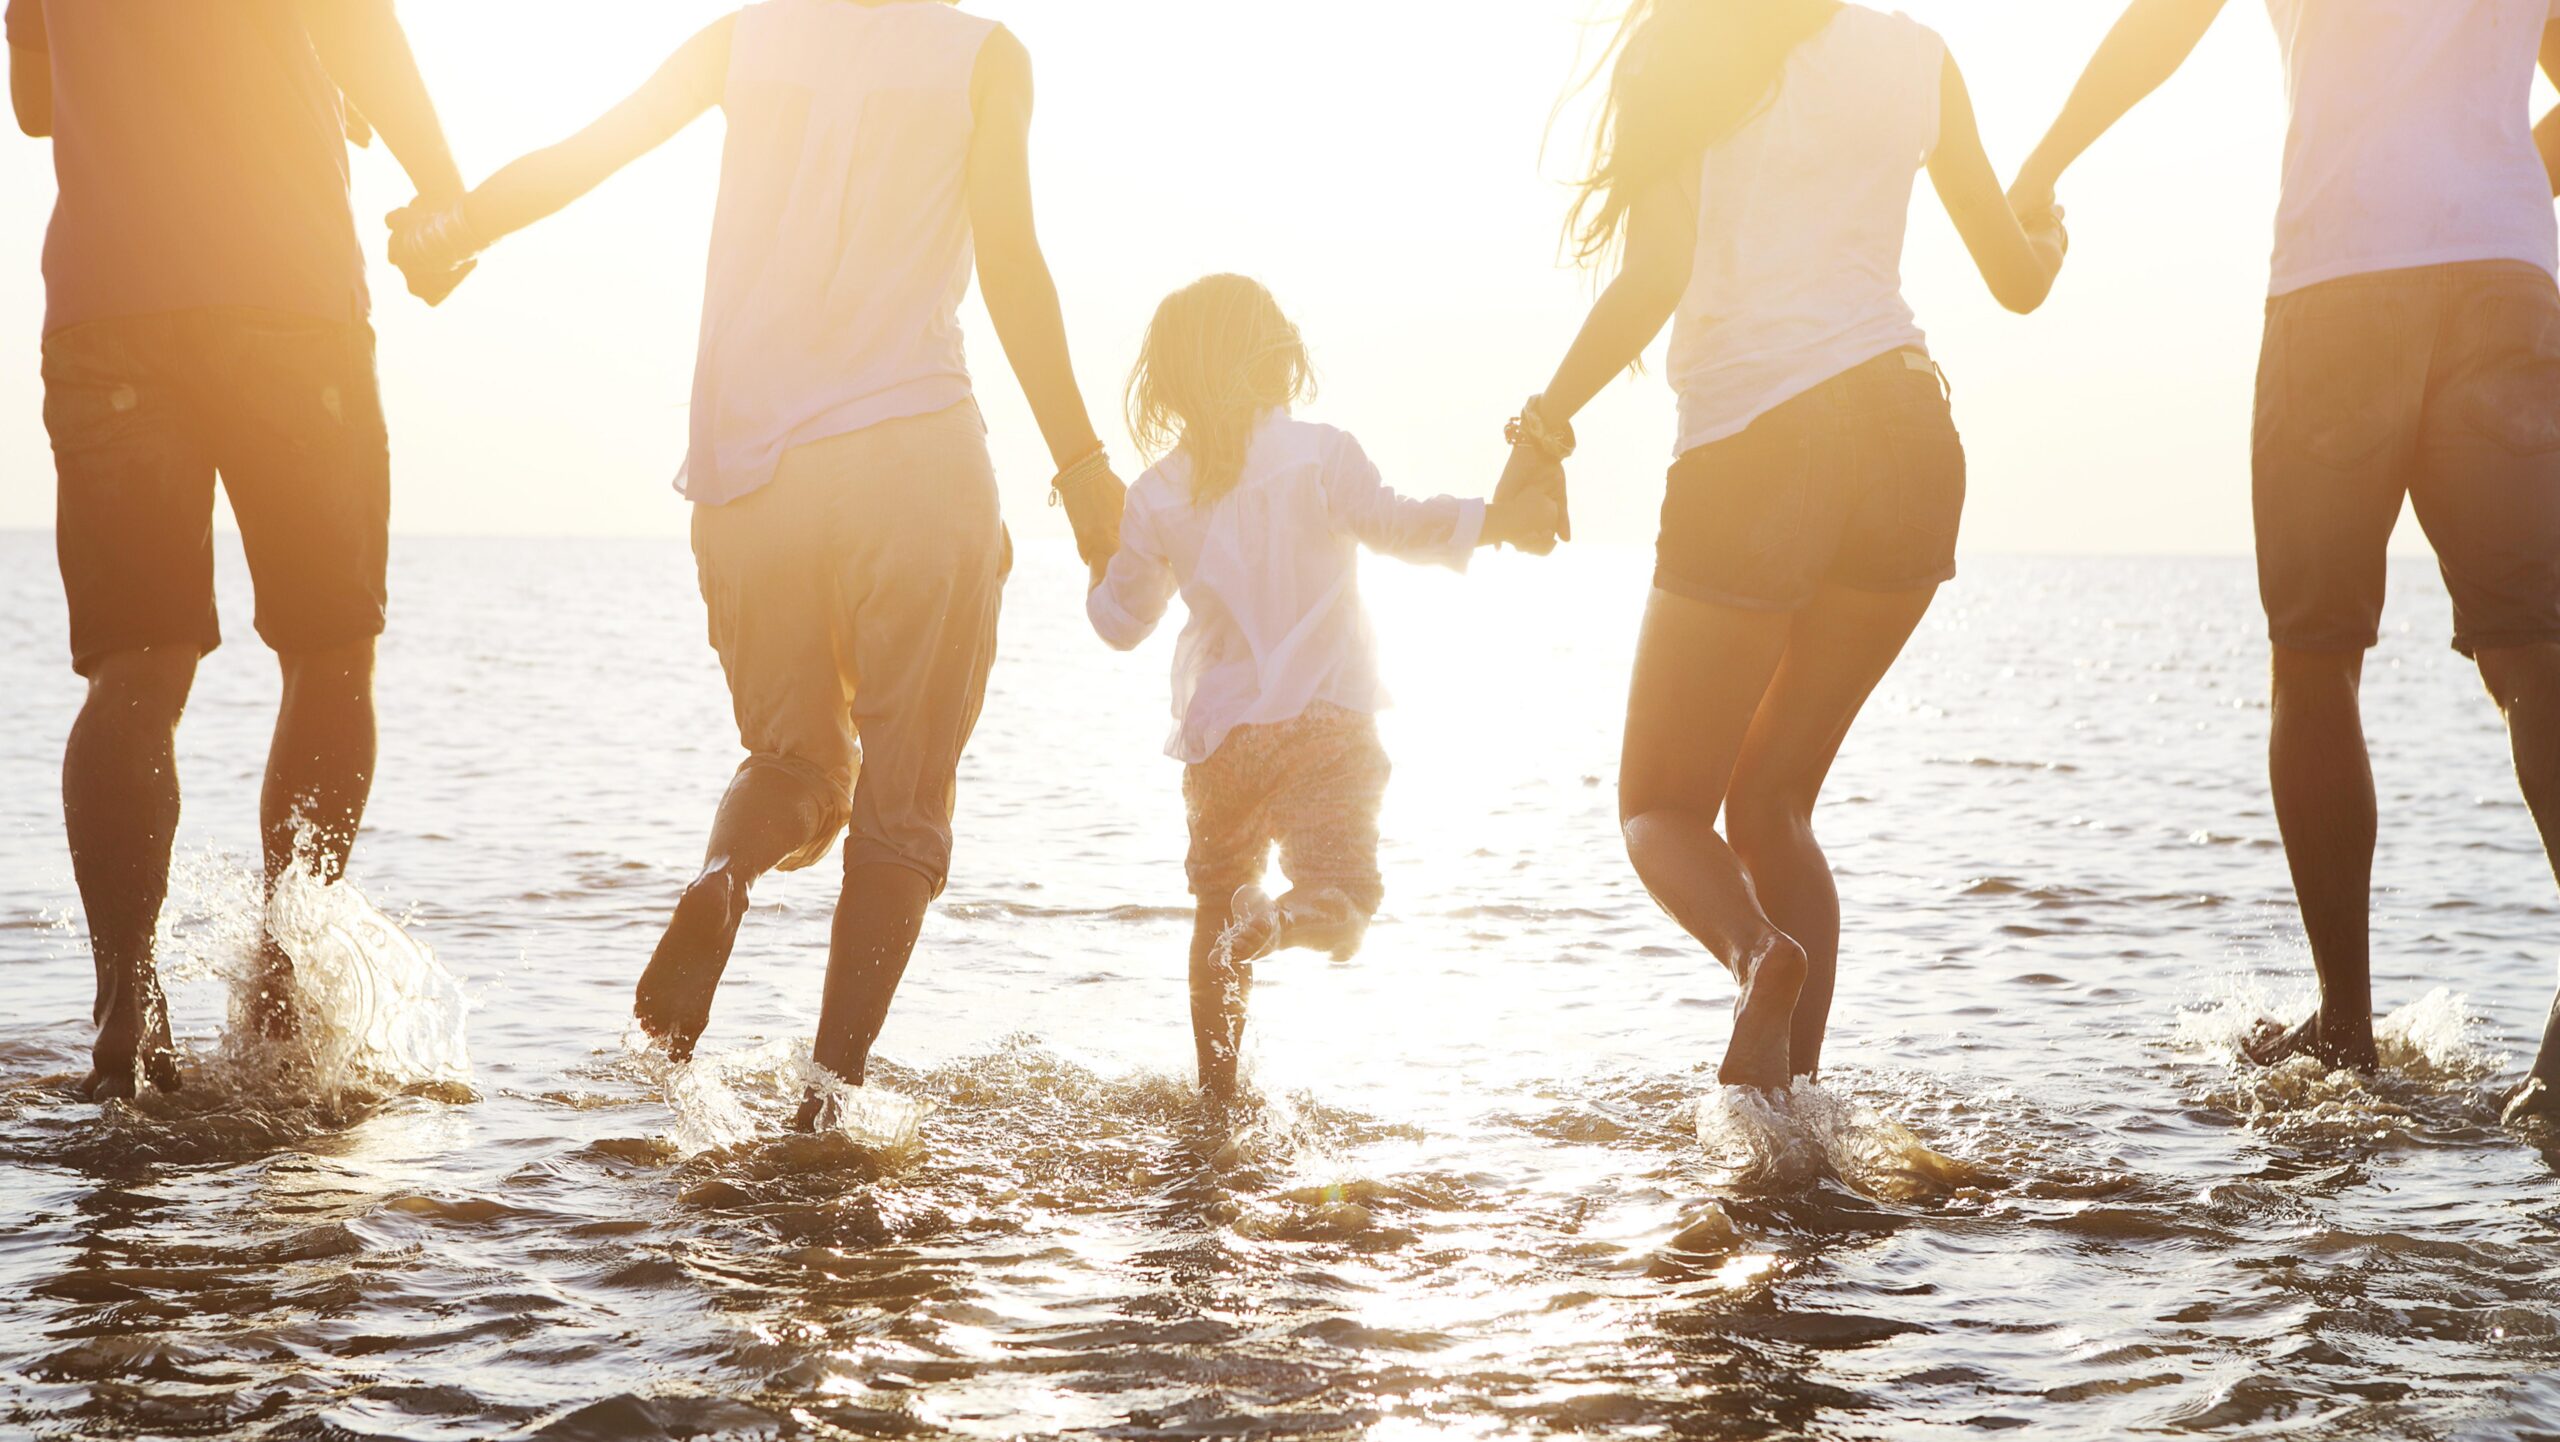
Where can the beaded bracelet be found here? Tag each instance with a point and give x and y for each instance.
(1095, 465)
(1531, 429)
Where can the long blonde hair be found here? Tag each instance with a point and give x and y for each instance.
(1683, 76)
(1217, 355)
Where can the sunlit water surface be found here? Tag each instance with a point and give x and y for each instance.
(1489, 1185)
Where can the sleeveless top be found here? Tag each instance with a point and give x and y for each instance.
(841, 250)
(2411, 142)
(1801, 215)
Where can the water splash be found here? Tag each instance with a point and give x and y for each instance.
(374, 1006)
(1791, 1140)
(723, 1101)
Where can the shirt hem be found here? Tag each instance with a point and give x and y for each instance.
(2285, 283)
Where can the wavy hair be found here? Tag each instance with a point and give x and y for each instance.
(1217, 355)
(1684, 75)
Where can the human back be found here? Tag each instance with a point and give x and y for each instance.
(2410, 142)
(842, 246)
(202, 162)
(1801, 218)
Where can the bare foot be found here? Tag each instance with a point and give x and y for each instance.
(2536, 1100)
(271, 1012)
(1256, 925)
(673, 1001)
(1762, 1017)
(108, 1082)
(2271, 1042)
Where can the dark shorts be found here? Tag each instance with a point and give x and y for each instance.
(2442, 385)
(145, 412)
(1858, 482)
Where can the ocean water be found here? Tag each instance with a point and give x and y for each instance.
(1487, 1185)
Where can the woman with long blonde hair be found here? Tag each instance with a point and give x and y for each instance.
(1256, 518)
(1752, 172)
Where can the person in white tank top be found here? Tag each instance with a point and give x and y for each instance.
(2411, 359)
(1754, 170)
(845, 516)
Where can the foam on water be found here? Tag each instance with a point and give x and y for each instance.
(721, 1101)
(1768, 1142)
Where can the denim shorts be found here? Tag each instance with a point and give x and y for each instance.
(2441, 384)
(146, 411)
(1858, 482)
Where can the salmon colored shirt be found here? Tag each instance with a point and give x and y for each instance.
(201, 155)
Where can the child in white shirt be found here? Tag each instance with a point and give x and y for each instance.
(1256, 518)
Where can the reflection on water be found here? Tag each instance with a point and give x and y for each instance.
(1482, 1183)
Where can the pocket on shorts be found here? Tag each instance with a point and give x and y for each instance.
(2511, 388)
(2337, 377)
(95, 396)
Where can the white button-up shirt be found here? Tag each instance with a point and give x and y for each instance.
(1270, 573)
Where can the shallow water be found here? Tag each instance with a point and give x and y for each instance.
(1487, 1186)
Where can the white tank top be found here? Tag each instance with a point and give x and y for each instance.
(1801, 215)
(841, 250)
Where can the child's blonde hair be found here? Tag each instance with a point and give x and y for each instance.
(1217, 355)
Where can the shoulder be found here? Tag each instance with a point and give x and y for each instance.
(1163, 485)
(1001, 70)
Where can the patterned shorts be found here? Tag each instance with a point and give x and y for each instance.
(1313, 785)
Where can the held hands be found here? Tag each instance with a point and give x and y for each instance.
(434, 246)
(1530, 508)
(1528, 519)
(1094, 497)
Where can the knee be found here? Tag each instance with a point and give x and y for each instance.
(342, 671)
(143, 687)
(2316, 676)
(1763, 821)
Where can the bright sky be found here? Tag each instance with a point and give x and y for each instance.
(1379, 167)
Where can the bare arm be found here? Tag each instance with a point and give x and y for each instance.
(1022, 296)
(1662, 245)
(2547, 134)
(2146, 47)
(2019, 267)
(548, 180)
(1661, 248)
(31, 90)
(361, 44)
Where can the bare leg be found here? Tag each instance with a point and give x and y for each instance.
(878, 917)
(766, 817)
(120, 810)
(2525, 682)
(1839, 648)
(2323, 782)
(1220, 987)
(319, 776)
(1701, 671)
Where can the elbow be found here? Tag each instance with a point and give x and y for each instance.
(35, 116)
(2025, 295)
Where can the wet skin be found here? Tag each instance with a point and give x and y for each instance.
(1741, 714)
(120, 804)
(2323, 782)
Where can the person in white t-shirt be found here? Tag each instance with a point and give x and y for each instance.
(2412, 350)
(1755, 164)
(1256, 519)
